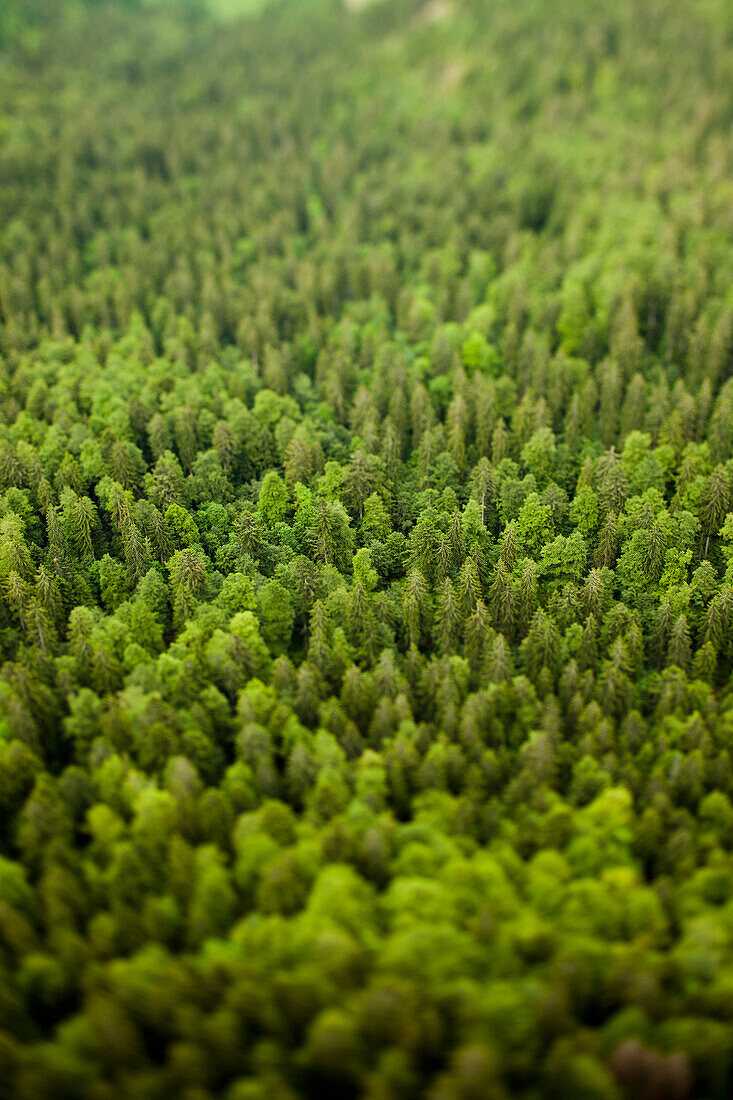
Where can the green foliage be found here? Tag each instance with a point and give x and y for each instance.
(366, 549)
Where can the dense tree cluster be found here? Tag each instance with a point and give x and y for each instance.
(366, 551)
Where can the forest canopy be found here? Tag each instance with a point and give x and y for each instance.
(366, 550)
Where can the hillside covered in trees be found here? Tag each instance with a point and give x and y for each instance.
(366, 550)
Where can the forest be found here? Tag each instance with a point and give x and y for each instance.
(366, 550)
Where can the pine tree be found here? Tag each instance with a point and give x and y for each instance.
(679, 651)
(714, 504)
(415, 608)
(329, 533)
(502, 600)
(483, 485)
(447, 617)
(608, 542)
(80, 520)
(187, 569)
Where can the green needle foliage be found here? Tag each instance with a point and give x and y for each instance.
(366, 550)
